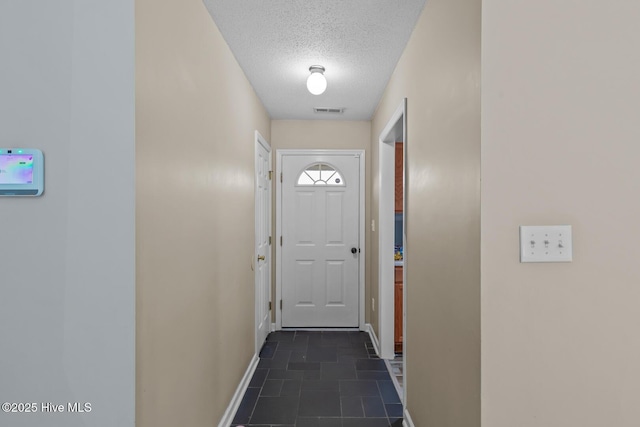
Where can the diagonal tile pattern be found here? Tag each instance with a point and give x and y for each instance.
(319, 379)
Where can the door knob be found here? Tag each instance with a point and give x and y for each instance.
(261, 257)
(354, 250)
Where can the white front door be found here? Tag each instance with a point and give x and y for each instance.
(320, 240)
(263, 243)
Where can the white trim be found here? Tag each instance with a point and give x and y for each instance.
(259, 140)
(374, 338)
(405, 145)
(273, 327)
(278, 235)
(361, 265)
(407, 421)
(392, 132)
(227, 418)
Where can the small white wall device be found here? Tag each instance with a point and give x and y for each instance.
(21, 172)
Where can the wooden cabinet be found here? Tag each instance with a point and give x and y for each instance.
(398, 310)
(398, 177)
(398, 285)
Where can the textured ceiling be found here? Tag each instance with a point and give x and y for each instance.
(275, 42)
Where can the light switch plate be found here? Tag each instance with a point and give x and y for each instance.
(546, 243)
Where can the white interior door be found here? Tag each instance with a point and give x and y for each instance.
(263, 243)
(320, 240)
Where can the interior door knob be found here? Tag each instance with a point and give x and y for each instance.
(261, 257)
(354, 250)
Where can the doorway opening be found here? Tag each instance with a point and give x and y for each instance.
(392, 253)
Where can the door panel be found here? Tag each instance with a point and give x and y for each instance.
(263, 245)
(304, 282)
(334, 226)
(320, 225)
(335, 283)
(304, 217)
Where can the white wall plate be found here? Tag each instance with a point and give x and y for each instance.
(546, 243)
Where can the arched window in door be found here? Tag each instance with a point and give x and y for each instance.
(320, 174)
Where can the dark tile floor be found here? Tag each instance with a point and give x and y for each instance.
(319, 379)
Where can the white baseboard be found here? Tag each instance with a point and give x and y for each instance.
(273, 327)
(407, 421)
(227, 418)
(374, 338)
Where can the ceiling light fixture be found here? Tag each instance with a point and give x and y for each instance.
(316, 82)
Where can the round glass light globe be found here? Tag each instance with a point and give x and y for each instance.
(316, 83)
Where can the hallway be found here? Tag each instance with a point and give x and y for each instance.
(319, 379)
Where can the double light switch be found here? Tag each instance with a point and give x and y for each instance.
(545, 243)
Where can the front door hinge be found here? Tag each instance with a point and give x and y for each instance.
(280, 240)
(280, 305)
(270, 172)
(269, 240)
(280, 176)
(269, 305)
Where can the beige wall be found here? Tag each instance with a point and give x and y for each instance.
(326, 134)
(195, 119)
(439, 73)
(560, 103)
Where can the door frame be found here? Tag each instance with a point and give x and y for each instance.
(260, 141)
(394, 131)
(280, 153)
